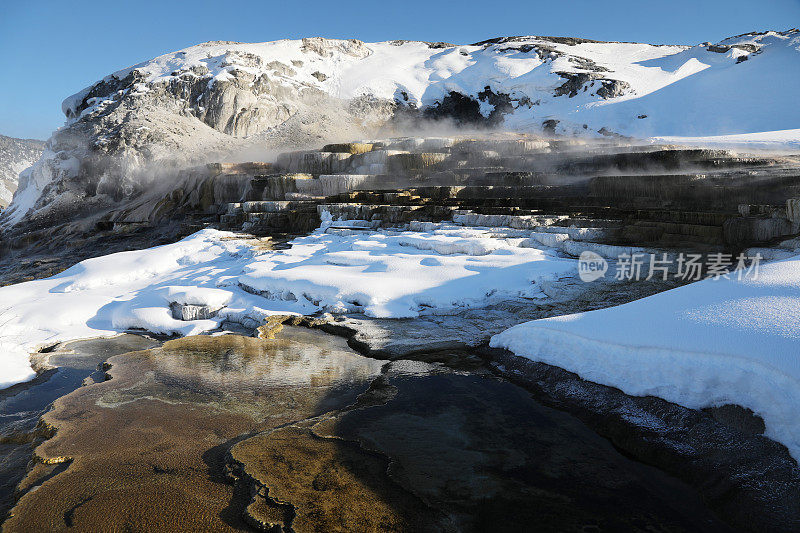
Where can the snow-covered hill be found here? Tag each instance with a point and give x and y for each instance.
(739, 85)
(15, 156)
(219, 98)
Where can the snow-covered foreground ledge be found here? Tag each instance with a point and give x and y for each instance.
(399, 274)
(710, 343)
(107, 295)
(382, 274)
(706, 344)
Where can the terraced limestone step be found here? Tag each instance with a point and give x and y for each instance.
(606, 191)
(385, 215)
(313, 162)
(275, 186)
(265, 217)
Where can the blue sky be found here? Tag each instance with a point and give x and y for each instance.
(49, 49)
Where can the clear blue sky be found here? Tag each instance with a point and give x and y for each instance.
(51, 49)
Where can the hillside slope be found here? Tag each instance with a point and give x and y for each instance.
(700, 90)
(15, 156)
(221, 98)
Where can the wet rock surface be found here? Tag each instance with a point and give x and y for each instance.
(451, 338)
(455, 452)
(746, 478)
(144, 450)
(64, 368)
(721, 451)
(232, 433)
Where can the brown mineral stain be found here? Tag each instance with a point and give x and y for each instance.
(146, 449)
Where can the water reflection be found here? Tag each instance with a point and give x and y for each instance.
(151, 443)
(21, 406)
(298, 357)
(256, 377)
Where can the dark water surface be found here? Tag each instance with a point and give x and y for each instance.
(22, 405)
(230, 432)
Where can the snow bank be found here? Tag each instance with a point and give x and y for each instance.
(706, 344)
(107, 295)
(400, 274)
(14, 365)
(764, 140)
(355, 269)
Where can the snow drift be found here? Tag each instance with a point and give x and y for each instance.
(382, 274)
(715, 342)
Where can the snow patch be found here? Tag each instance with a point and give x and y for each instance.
(707, 344)
(381, 274)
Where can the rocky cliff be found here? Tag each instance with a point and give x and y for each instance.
(131, 130)
(15, 156)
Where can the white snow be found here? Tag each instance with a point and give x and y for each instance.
(6, 192)
(382, 274)
(678, 90)
(107, 295)
(9, 184)
(50, 166)
(16, 155)
(706, 344)
(774, 140)
(401, 274)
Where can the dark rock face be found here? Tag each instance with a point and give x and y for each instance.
(103, 89)
(577, 82)
(461, 109)
(571, 41)
(613, 88)
(745, 231)
(433, 45)
(457, 107)
(744, 477)
(721, 49)
(574, 83)
(549, 126)
(501, 102)
(440, 45)
(739, 418)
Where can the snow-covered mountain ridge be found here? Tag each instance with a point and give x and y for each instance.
(219, 100)
(525, 79)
